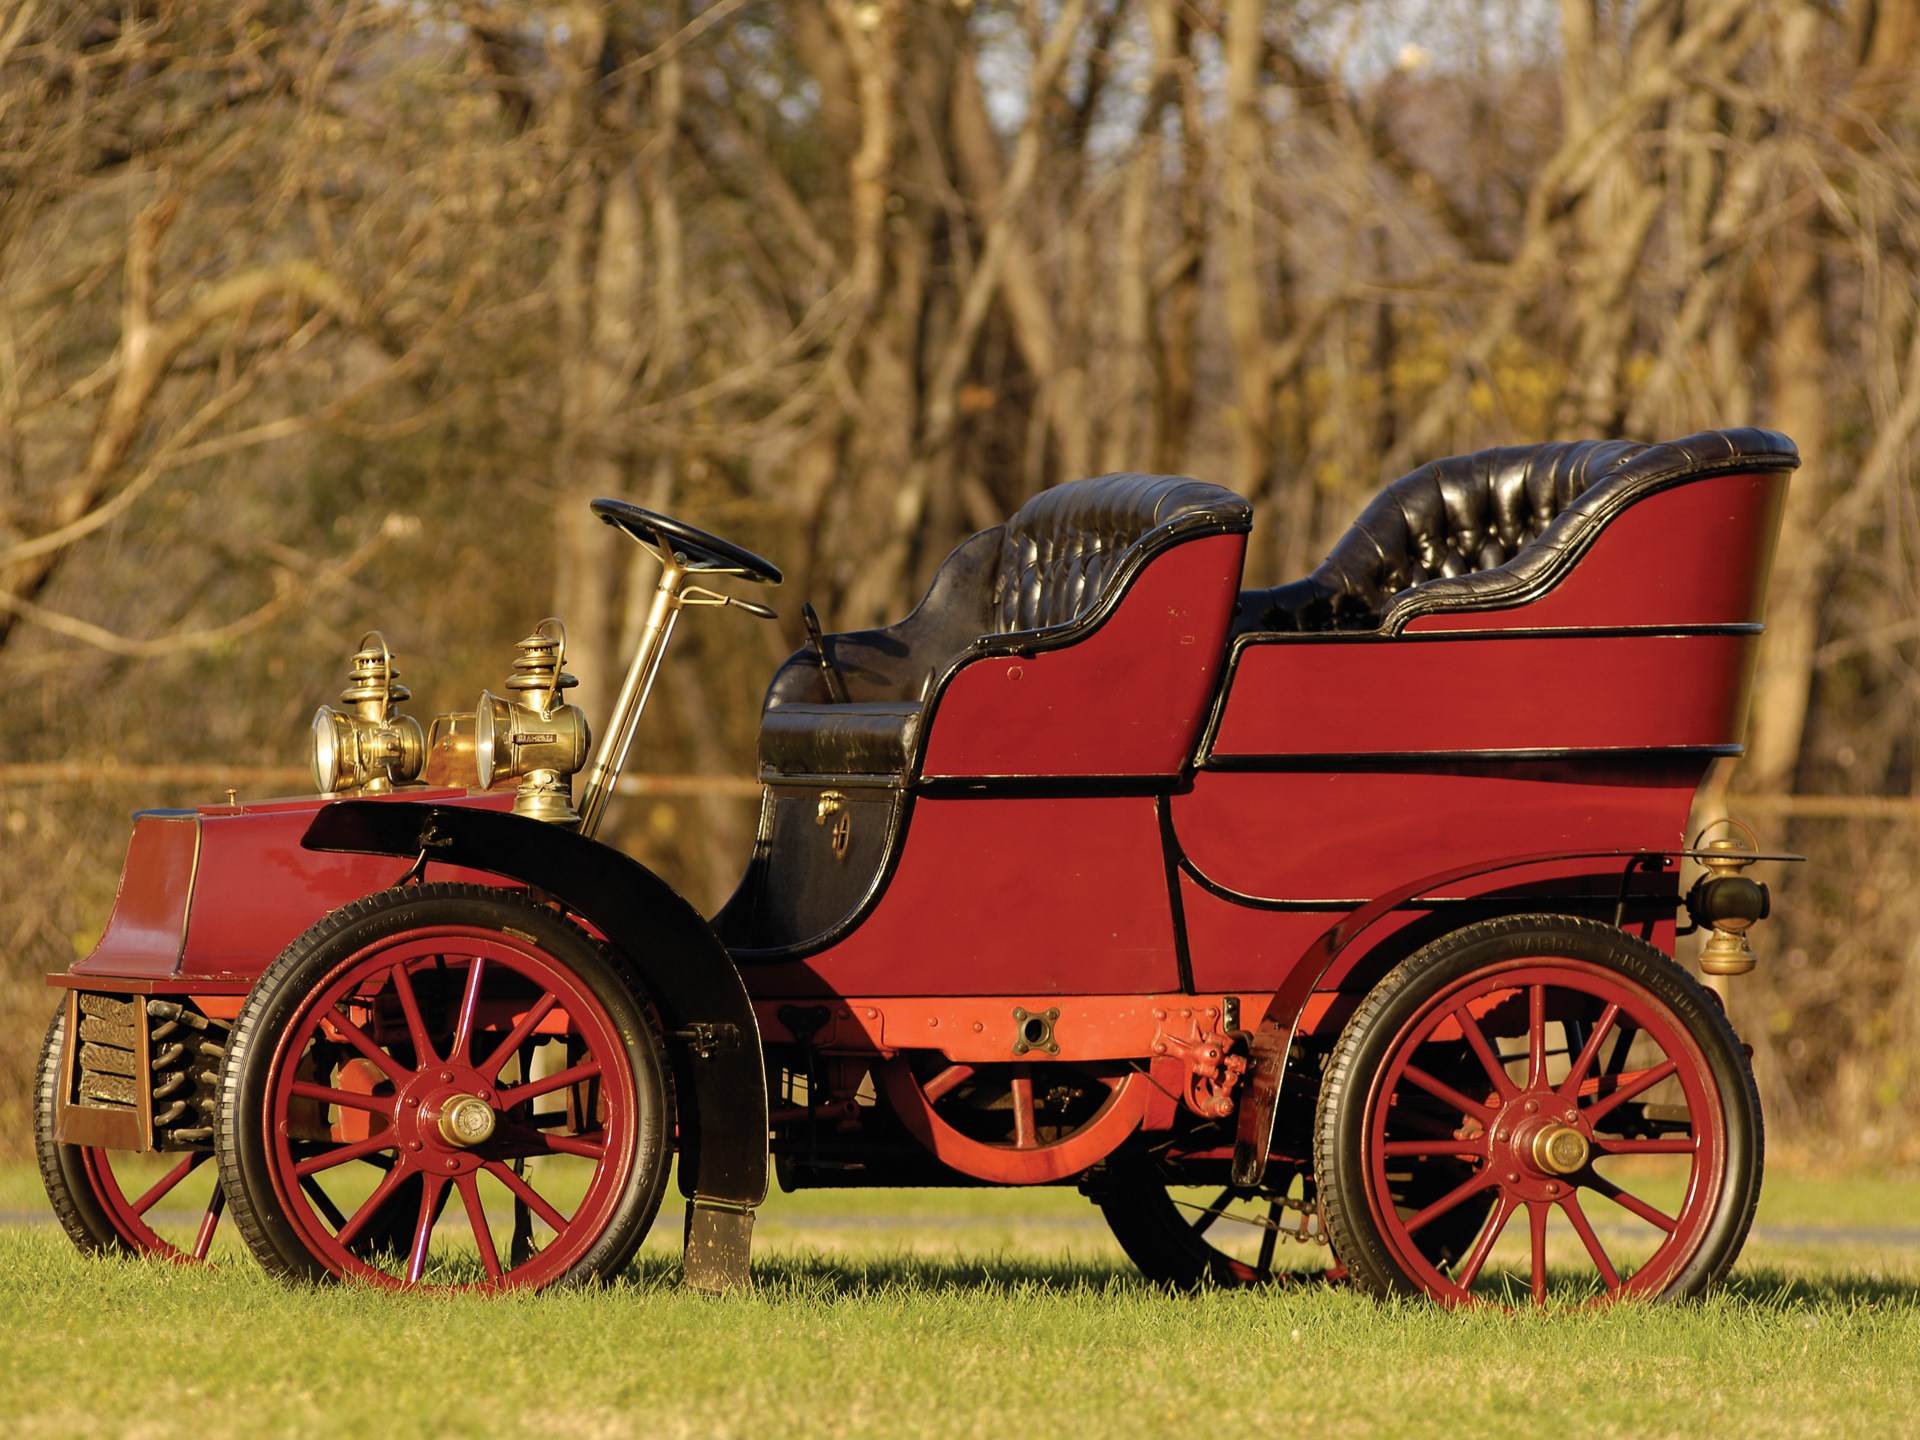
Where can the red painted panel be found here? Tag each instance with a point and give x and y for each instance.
(257, 890)
(1128, 700)
(1319, 836)
(1239, 950)
(248, 892)
(149, 920)
(1402, 696)
(1008, 896)
(1698, 554)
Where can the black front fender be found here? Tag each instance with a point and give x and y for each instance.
(684, 969)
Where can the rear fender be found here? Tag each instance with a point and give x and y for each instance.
(1274, 1039)
(682, 967)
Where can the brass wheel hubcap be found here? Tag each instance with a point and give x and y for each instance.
(466, 1121)
(1559, 1149)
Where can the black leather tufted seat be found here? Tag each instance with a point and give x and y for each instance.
(1043, 570)
(1477, 529)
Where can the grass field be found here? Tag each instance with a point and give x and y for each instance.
(962, 1313)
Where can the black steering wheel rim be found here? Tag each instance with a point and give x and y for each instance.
(692, 548)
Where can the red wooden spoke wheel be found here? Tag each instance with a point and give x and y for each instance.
(117, 1202)
(445, 1051)
(1551, 1070)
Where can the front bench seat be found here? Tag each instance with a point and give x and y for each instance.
(1047, 567)
(1477, 530)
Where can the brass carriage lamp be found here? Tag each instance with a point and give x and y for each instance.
(532, 735)
(1727, 902)
(368, 748)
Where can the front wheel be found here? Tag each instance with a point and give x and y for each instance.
(462, 1061)
(1554, 1069)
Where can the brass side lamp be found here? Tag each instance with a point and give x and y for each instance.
(532, 735)
(368, 748)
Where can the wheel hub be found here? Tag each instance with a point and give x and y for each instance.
(1559, 1149)
(1538, 1142)
(465, 1121)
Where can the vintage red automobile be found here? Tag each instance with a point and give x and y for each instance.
(1341, 911)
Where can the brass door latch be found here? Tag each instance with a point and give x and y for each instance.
(833, 806)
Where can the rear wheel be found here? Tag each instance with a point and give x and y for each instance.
(1551, 1070)
(445, 1051)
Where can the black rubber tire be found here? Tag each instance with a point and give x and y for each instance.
(276, 998)
(1362, 1052)
(1160, 1237)
(69, 1188)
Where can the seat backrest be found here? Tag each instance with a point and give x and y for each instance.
(1476, 526)
(1062, 547)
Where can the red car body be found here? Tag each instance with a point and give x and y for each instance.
(1165, 843)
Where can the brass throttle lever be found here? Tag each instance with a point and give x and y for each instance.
(700, 595)
(829, 672)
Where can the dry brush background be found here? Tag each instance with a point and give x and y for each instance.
(320, 317)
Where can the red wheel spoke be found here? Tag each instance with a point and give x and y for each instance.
(462, 1047)
(534, 1201)
(1537, 1234)
(1472, 1185)
(423, 1052)
(490, 1067)
(167, 1181)
(1638, 1083)
(1435, 1147)
(1025, 1134)
(577, 1145)
(1477, 1039)
(943, 1082)
(342, 1154)
(1634, 1204)
(1536, 1036)
(1668, 1145)
(371, 1205)
(346, 1099)
(203, 1238)
(1570, 1087)
(477, 1218)
(1269, 1239)
(547, 1084)
(365, 1044)
(423, 1227)
(1584, 1229)
(1483, 1247)
(1439, 1089)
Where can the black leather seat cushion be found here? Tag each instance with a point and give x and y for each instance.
(1478, 529)
(1061, 546)
(869, 738)
(1046, 567)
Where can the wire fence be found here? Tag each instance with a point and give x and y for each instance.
(221, 778)
(237, 777)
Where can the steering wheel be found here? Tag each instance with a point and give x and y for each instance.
(691, 549)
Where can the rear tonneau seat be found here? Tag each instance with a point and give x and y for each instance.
(1490, 529)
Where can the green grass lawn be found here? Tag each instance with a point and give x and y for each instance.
(979, 1312)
